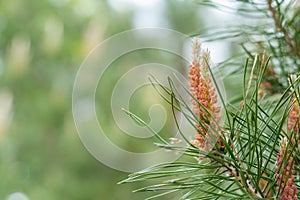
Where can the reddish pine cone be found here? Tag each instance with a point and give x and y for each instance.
(204, 92)
(285, 171)
(294, 117)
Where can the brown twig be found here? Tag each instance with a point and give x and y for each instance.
(235, 173)
(289, 41)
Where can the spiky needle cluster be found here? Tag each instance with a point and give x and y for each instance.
(205, 107)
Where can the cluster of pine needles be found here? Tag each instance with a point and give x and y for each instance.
(249, 148)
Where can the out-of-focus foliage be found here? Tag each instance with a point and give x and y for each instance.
(42, 44)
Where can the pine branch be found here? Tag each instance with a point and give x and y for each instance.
(252, 153)
(289, 41)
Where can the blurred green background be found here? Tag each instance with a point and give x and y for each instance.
(42, 44)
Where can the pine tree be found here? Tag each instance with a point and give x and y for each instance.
(254, 154)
